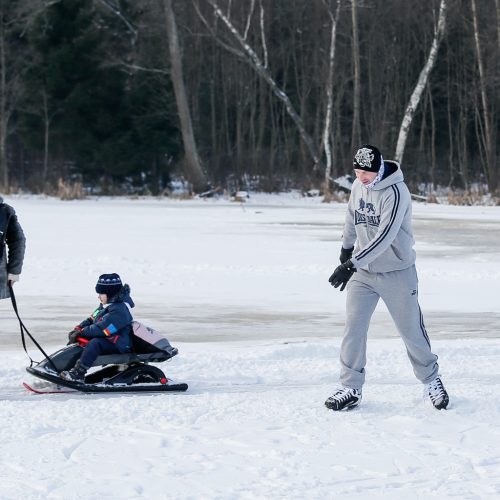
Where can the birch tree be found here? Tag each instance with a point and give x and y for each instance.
(355, 137)
(421, 83)
(251, 57)
(329, 99)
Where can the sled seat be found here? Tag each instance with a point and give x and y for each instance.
(134, 357)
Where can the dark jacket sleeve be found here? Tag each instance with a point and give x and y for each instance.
(117, 316)
(90, 320)
(16, 243)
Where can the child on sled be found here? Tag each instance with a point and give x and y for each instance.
(107, 329)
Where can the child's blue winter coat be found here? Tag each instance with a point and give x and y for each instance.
(112, 322)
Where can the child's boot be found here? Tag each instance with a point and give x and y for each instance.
(76, 374)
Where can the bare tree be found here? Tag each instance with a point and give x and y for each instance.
(115, 9)
(497, 10)
(251, 57)
(355, 137)
(5, 111)
(15, 19)
(9, 84)
(277, 89)
(329, 98)
(421, 83)
(193, 166)
(486, 116)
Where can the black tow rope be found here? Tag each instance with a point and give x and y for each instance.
(25, 330)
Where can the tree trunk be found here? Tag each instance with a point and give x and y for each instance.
(486, 119)
(433, 141)
(497, 9)
(356, 129)
(450, 101)
(193, 168)
(46, 138)
(253, 59)
(4, 169)
(329, 101)
(421, 83)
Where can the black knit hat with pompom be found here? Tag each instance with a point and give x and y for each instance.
(110, 284)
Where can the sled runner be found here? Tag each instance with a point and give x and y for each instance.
(127, 372)
(47, 388)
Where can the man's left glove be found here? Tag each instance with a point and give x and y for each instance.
(342, 275)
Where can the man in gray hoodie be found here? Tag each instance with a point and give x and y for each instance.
(11, 237)
(378, 261)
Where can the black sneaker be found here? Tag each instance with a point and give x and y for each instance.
(437, 393)
(76, 374)
(343, 398)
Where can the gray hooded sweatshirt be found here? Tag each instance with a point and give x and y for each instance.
(378, 224)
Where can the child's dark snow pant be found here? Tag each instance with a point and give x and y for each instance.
(95, 348)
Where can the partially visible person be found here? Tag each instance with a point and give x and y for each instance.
(107, 329)
(12, 248)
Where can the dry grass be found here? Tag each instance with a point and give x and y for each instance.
(466, 198)
(70, 190)
(432, 198)
(335, 197)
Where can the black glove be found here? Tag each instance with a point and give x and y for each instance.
(345, 254)
(73, 334)
(342, 275)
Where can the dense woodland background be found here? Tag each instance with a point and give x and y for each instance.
(126, 95)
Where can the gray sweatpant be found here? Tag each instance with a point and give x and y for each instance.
(399, 291)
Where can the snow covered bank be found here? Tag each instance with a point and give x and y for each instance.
(212, 269)
(242, 291)
(253, 425)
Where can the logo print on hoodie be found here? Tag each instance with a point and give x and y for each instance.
(366, 214)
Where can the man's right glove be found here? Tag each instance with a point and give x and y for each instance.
(73, 334)
(345, 254)
(342, 275)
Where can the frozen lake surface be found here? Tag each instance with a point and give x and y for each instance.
(214, 270)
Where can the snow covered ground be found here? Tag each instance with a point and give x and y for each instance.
(242, 291)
